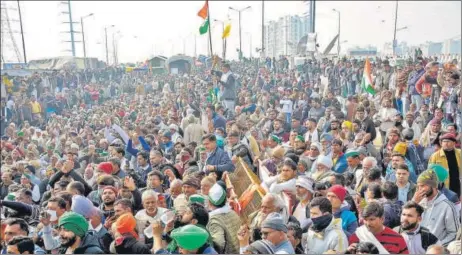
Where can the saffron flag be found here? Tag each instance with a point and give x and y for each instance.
(204, 28)
(226, 31)
(203, 13)
(366, 82)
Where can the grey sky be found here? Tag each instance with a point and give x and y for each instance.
(161, 25)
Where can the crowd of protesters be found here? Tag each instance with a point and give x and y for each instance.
(109, 161)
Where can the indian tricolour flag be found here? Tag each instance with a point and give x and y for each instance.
(366, 82)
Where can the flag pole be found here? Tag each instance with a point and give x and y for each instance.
(210, 29)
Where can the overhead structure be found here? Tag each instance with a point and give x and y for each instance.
(8, 42)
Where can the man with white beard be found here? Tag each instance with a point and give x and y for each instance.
(304, 194)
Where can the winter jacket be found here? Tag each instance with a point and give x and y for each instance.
(220, 159)
(439, 157)
(440, 217)
(392, 213)
(332, 238)
(130, 245)
(349, 220)
(341, 165)
(89, 245)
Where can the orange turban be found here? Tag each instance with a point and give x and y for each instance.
(126, 223)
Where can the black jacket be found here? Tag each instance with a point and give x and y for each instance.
(427, 238)
(89, 245)
(130, 245)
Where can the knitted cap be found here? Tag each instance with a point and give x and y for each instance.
(326, 161)
(193, 182)
(305, 182)
(274, 221)
(339, 191)
(401, 148)
(428, 177)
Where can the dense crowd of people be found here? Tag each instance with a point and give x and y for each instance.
(110, 161)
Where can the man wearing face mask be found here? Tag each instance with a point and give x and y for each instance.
(56, 207)
(440, 216)
(326, 232)
(417, 237)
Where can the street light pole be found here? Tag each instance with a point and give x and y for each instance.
(240, 30)
(338, 38)
(263, 28)
(396, 22)
(107, 50)
(83, 39)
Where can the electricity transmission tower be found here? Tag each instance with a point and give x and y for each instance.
(8, 43)
(68, 12)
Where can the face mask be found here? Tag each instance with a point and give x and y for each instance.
(397, 123)
(53, 215)
(321, 223)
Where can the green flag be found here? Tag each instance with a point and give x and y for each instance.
(204, 28)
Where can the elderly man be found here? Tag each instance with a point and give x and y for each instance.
(304, 194)
(190, 186)
(270, 203)
(151, 211)
(449, 157)
(274, 230)
(322, 168)
(361, 175)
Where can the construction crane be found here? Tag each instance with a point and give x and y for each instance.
(8, 41)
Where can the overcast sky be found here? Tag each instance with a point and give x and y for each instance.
(164, 27)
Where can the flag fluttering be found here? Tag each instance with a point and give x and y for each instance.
(203, 13)
(205, 27)
(366, 82)
(227, 31)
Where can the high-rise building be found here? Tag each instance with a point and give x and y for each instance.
(282, 36)
(451, 46)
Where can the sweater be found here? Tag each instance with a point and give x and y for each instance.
(441, 218)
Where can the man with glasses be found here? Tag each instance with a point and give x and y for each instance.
(274, 230)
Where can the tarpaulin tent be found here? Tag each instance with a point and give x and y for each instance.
(179, 63)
